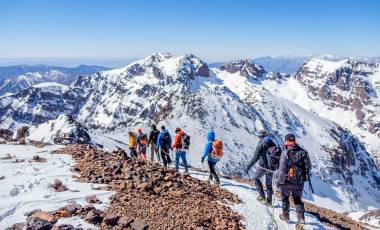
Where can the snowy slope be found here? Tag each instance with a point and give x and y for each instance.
(63, 130)
(26, 184)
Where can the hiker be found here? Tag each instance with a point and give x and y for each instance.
(180, 150)
(142, 142)
(293, 171)
(263, 169)
(153, 136)
(132, 144)
(213, 152)
(164, 142)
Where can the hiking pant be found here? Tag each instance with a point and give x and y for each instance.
(142, 152)
(268, 183)
(165, 156)
(295, 190)
(153, 151)
(180, 154)
(213, 174)
(133, 152)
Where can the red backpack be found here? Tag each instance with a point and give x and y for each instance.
(217, 149)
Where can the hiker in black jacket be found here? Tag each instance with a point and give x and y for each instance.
(152, 142)
(264, 168)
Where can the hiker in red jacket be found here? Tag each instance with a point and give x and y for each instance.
(180, 145)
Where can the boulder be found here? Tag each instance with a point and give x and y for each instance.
(139, 225)
(111, 219)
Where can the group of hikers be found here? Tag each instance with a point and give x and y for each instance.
(290, 165)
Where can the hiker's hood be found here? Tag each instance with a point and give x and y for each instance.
(211, 136)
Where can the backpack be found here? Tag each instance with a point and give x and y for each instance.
(165, 142)
(185, 141)
(155, 135)
(217, 149)
(143, 140)
(298, 167)
(274, 155)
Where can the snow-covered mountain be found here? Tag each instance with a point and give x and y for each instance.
(16, 78)
(345, 91)
(291, 64)
(63, 130)
(182, 91)
(40, 103)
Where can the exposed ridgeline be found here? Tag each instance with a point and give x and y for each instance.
(181, 91)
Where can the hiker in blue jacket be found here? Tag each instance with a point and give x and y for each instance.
(164, 142)
(211, 160)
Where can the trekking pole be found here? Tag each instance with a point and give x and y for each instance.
(273, 202)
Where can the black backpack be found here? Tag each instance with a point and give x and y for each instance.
(299, 166)
(155, 134)
(274, 155)
(185, 141)
(165, 142)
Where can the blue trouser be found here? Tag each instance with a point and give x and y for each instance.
(180, 154)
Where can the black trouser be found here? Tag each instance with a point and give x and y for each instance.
(165, 156)
(296, 192)
(213, 174)
(133, 152)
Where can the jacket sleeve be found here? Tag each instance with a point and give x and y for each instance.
(159, 138)
(207, 150)
(256, 156)
(281, 172)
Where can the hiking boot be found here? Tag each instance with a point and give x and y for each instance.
(268, 203)
(285, 217)
(262, 199)
(300, 219)
(186, 173)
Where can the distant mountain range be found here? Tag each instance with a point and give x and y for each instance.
(16, 78)
(291, 64)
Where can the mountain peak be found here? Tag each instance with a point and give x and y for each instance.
(245, 67)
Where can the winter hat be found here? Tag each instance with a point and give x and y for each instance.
(177, 130)
(290, 137)
(163, 127)
(262, 133)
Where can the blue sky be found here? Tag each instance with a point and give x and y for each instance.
(213, 30)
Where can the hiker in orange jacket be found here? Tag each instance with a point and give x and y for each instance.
(179, 146)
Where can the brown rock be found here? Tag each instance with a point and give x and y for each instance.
(125, 221)
(32, 212)
(139, 225)
(17, 226)
(87, 208)
(111, 219)
(93, 199)
(93, 217)
(58, 186)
